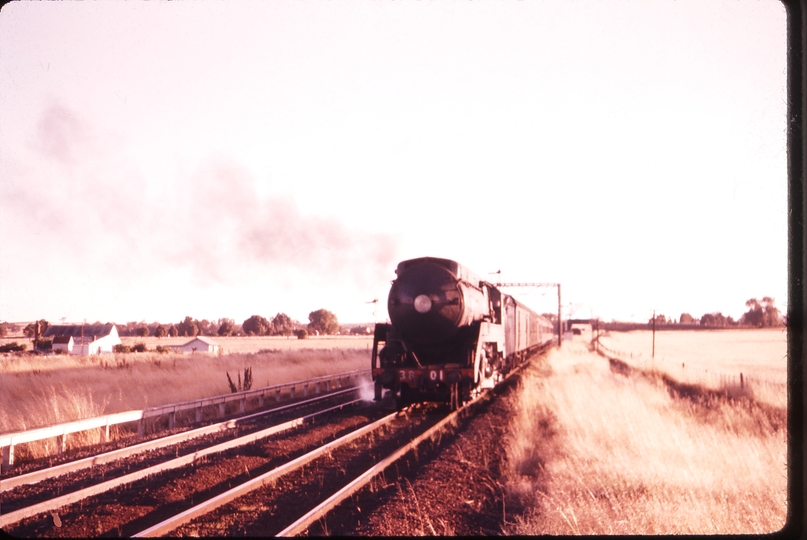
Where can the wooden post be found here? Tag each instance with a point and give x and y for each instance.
(260, 400)
(328, 385)
(316, 388)
(61, 442)
(199, 414)
(243, 404)
(222, 409)
(8, 457)
(291, 392)
(305, 390)
(277, 395)
(141, 427)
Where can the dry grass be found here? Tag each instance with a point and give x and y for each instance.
(712, 358)
(43, 390)
(595, 452)
(758, 353)
(53, 405)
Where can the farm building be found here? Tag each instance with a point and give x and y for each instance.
(63, 343)
(83, 339)
(199, 344)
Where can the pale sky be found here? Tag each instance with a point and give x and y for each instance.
(227, 159)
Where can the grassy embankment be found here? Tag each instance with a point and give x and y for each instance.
(711, 358)
(593, 451)
(38, 391)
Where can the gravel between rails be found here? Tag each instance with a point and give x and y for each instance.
(30, 494)
(451, 488)
(268, 510)
(132, 508)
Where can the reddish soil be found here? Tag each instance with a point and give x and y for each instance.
(455, 489)
(452, 486)
(268, 510)
(131, 508)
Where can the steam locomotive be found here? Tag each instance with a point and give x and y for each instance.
(449, 331)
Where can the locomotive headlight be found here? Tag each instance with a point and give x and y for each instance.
(423, 303)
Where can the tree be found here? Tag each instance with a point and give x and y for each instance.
(256, 326)
(143, 331)
(160, 331)
(323, 322)
(36, 329)
(686, 318)
(172, 331)
(188, 327)
(226, 327)
(761, 314)
(3, 331)
(660, 319)
(207, 328)
(282, 325)
(715, 319)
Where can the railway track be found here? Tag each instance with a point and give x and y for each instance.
(30, 498)
(278, 480)
(297, 497)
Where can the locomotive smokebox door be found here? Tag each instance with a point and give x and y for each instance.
(432, 298)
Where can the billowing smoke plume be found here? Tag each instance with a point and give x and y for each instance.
(86, 197)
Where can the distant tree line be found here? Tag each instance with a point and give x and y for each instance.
(761, 314)
(7, 328)
(321, 321)
(187, 327)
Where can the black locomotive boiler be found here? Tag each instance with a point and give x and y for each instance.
(448, 332)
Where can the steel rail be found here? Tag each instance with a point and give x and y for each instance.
(58, 502)
(321, 510)
(58, 470)
(9, 440)
(182, 518)
(303, 523)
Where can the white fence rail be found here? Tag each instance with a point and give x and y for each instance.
(277, 392)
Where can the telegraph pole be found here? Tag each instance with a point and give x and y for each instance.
(560, 332)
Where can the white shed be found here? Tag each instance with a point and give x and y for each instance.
(63, 343)
(199, 344)
(83, 338)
